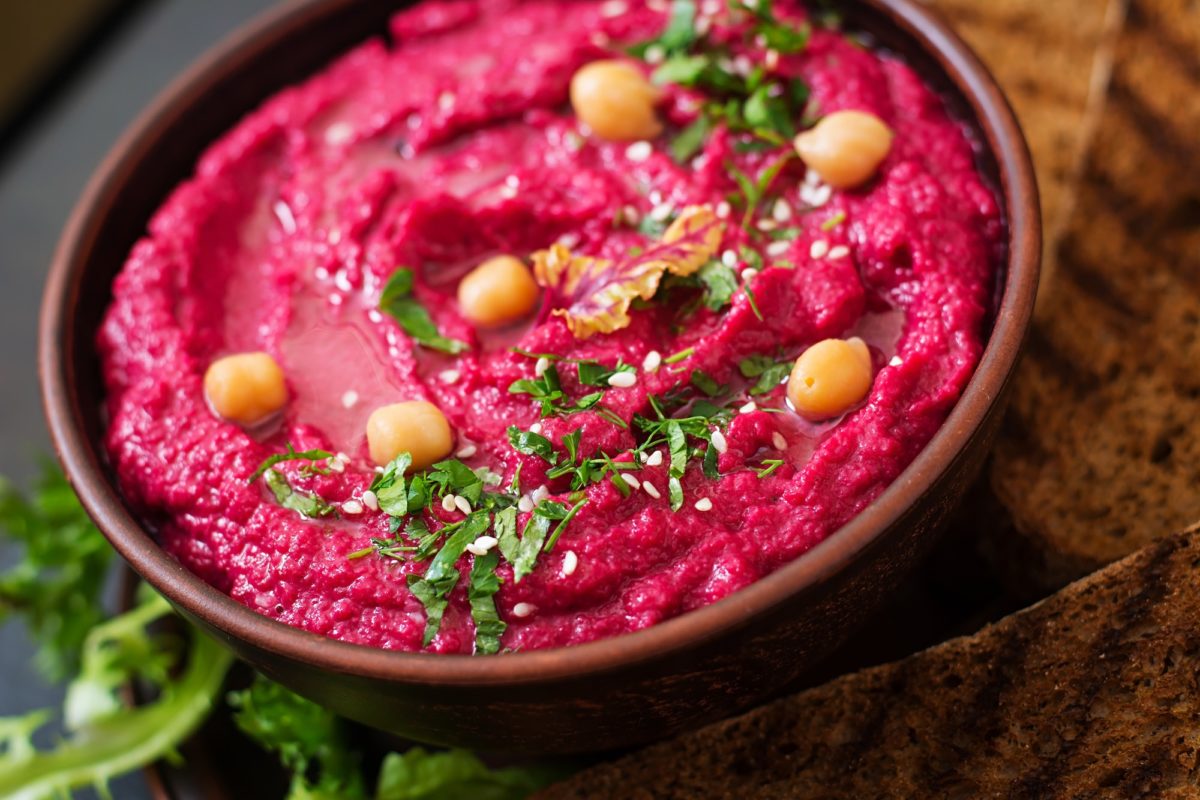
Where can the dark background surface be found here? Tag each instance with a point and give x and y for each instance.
(78, 110)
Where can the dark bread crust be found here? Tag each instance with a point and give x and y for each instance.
(1101, 450)
(1094, 692)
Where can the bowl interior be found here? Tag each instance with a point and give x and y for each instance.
(292, 43)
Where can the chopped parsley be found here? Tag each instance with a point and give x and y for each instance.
(720, 282)
(548, 392)
(705, 383)
(767, 372)
(769, 466)
(299, 501)
(288, 455)
(397, 301)
(484, 583)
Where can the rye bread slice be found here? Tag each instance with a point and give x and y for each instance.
(1052, 59)
(1101, 449)
(1095, 692)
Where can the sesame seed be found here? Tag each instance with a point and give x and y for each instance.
(449, 376)
(338, 133)
(841, 251)
(704, 504)
(639, 151)
(336, 465)
(777, 249)
(703, 25)
(342, 457)
(523, 609)
(482, 545)
(448, 503)
(819, 248)
(631, 480)
(535, 427)
(749, 274)
(370, 500)
(778, 441)
(283, 213)
(812, 178)
(766, 225)
(569, 240)
(350, 399)
(652, 361)
(820, 196)
(650, 490)
(896, 361)
(782, 212)
(654, 54)
(771, 60)
(729, 259)
(539, 494)
(525, 505)
(446, 100)
(352, 507)
(661, 211)
(622, 380)
(462, 504)
(570, 562)
(540, 367)
(614, 8)
(476, 550)
(600, 39)
(749, 408)
(466, 451)
(631, 215)
(655, 459)
(743, 66)
(724, 210)
(718, 441)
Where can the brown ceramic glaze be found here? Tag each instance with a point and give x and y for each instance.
(614, 692)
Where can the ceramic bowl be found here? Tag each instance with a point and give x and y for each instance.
(610, 693)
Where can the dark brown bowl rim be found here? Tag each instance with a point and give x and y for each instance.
(190, 593)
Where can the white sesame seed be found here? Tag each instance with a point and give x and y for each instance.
(778, 441)
(524, 505)
(661, 211)
(539, 494)
(743, 66)
(654, 54)
(782, 211)
(379, 470)
(639, 151)
(462, 504)
(570, 562)
(639, 456)
(569, 240)
(449, 376)
(819, 248)
(896, 361)
(631, 480)
(841, 251)
(703, 26)
(724, 210)
(718, 441)
(655, 459)
(648, 487)
(729, 259)
(704, 504)
(476, 550)
(777, 249)
(820, 196)
(749, 274)
(350, 399)
(600, 39)
(283, 213)
(523, 609)
(336, 465)
(446, 100)
(631, 215)
(622, 380)
(535, 427)
(342, 457)
(652, 361)
(766, 225)
(614, 8)
(749, 408)
(338, 133)
(482, 545)
(370, 500)
(771, 59)
(466, 451)
(352, 507)
(448, 503)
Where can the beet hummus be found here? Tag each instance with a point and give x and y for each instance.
(533, 323)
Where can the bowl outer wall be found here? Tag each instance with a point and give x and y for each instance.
(614, 692)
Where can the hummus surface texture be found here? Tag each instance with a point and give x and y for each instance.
(452, 140)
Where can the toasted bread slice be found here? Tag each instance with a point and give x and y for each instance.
(1101, 451)
(1094, 692)
(1052, 59)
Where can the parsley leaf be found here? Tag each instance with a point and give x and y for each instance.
(562, 525)
(304, 503)
(434, 587)
(768, 372)
(705, 383)
(289, 455)
(769, 466)
(484, 583)
(532, 539)
(720, 282)
(531, 444)
(397, 302)
(679, 34)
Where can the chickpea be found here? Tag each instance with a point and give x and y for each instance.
(615, 100)
(245, 388)
(415, 427)
(830, 378)
(845, 148)
(498, 291)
